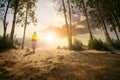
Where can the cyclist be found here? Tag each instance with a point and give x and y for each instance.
(34, 38)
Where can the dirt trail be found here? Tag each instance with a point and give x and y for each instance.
(58, 64)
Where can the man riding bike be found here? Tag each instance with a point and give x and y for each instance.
(34, 38)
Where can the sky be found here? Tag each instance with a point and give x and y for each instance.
(47, 16)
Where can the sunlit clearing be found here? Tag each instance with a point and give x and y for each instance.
(50, 37)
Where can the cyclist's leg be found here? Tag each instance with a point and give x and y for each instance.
(34, 46)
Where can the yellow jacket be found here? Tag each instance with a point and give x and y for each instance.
(34, 36)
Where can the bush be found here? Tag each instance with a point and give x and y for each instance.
(17, 44)
(115, 44)
(97, 44)
(100, 45)
(5, 43)
(77, 45)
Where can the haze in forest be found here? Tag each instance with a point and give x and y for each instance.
(51, 24)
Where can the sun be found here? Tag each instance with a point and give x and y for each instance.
(50, 37)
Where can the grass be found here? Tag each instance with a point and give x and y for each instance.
(78, 65)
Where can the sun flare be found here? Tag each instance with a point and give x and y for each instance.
(50, 37)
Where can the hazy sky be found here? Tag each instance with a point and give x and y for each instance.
(47, 16)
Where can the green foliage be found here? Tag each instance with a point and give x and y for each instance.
(100, 45)
(97, 44)
(117, 44)
(114, 44)
(77, 44)
(17, 44)
(5, 43)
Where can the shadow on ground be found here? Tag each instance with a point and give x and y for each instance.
(78, 65)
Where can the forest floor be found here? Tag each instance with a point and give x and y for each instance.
(59, 64)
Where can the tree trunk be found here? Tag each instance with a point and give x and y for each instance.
(117, 21)
(14, 20)
(70, 24)
(100, 22)
(4, 20)
(23, 41)
(91, 36)
(114, 29)
(108, 38)
(116, 33)
(66, 22)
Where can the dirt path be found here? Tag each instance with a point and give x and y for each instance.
(59, 65)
